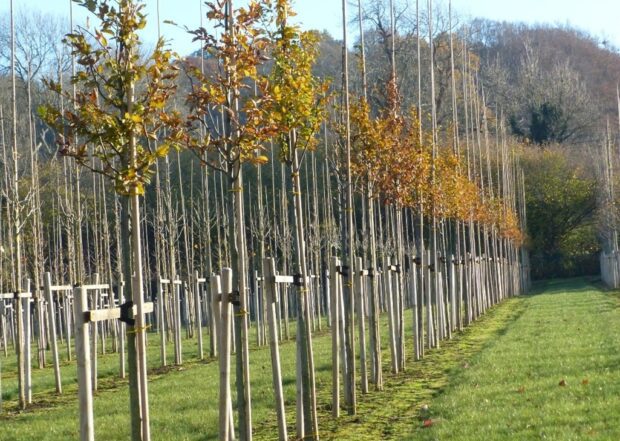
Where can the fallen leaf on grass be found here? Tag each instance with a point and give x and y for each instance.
(585, 381)
(427, 423)
(521, 389)
(562, 383)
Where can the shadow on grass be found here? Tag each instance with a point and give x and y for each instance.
(512, 391)
(485, 339)
(396, 410)
(556, 286)
(49, 399)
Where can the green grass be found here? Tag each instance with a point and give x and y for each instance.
(183, 399)
(471, 384)
(568, 333)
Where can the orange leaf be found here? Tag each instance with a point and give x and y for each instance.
(427, 423)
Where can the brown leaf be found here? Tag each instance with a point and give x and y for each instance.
(427, 423)
(521, 389)
(562, 383)
(585, 381)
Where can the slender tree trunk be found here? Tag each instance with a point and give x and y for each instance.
(17, 227)
(130, 233)
(348, 238)
(304, 317)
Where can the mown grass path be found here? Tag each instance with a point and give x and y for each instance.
(554, 374)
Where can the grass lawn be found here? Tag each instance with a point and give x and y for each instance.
(554, 374)
(496, 380)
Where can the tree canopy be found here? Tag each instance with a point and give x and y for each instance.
(561, 198)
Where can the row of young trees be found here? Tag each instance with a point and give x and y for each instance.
(435, 212)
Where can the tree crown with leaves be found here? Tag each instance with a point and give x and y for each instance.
(97, 128)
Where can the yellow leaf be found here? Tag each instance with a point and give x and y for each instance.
(261, 159)
(133, 117)
(162, 150)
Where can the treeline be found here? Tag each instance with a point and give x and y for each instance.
(549, 84)
(43, 56)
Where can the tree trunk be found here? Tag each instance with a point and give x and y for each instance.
(304, 318)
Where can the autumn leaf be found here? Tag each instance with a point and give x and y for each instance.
(562, 383)
(162, 150)
(427, 423)
(133, 117)
(261, 160)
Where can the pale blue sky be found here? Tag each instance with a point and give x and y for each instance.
(599, 17)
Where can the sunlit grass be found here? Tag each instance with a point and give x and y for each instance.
(496, 380)
(554, 374)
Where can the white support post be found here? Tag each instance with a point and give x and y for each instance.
(94, 335)
(417, 341)
(225, 343)
(122, 329)
(391, 314)
(335, 312)
(47, 282)
(453, 303)
(198, 309)
(215, 290)
(27, 344)
(361, 322)
(87, 430)
(178, 351)
(161, 322)
(269, 286)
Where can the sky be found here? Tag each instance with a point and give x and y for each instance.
(600, 18)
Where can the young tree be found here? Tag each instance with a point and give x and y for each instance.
(235, 125)
(17, 225)
(298, 111)
(367, 157)
(347, 230)
(120, 104)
